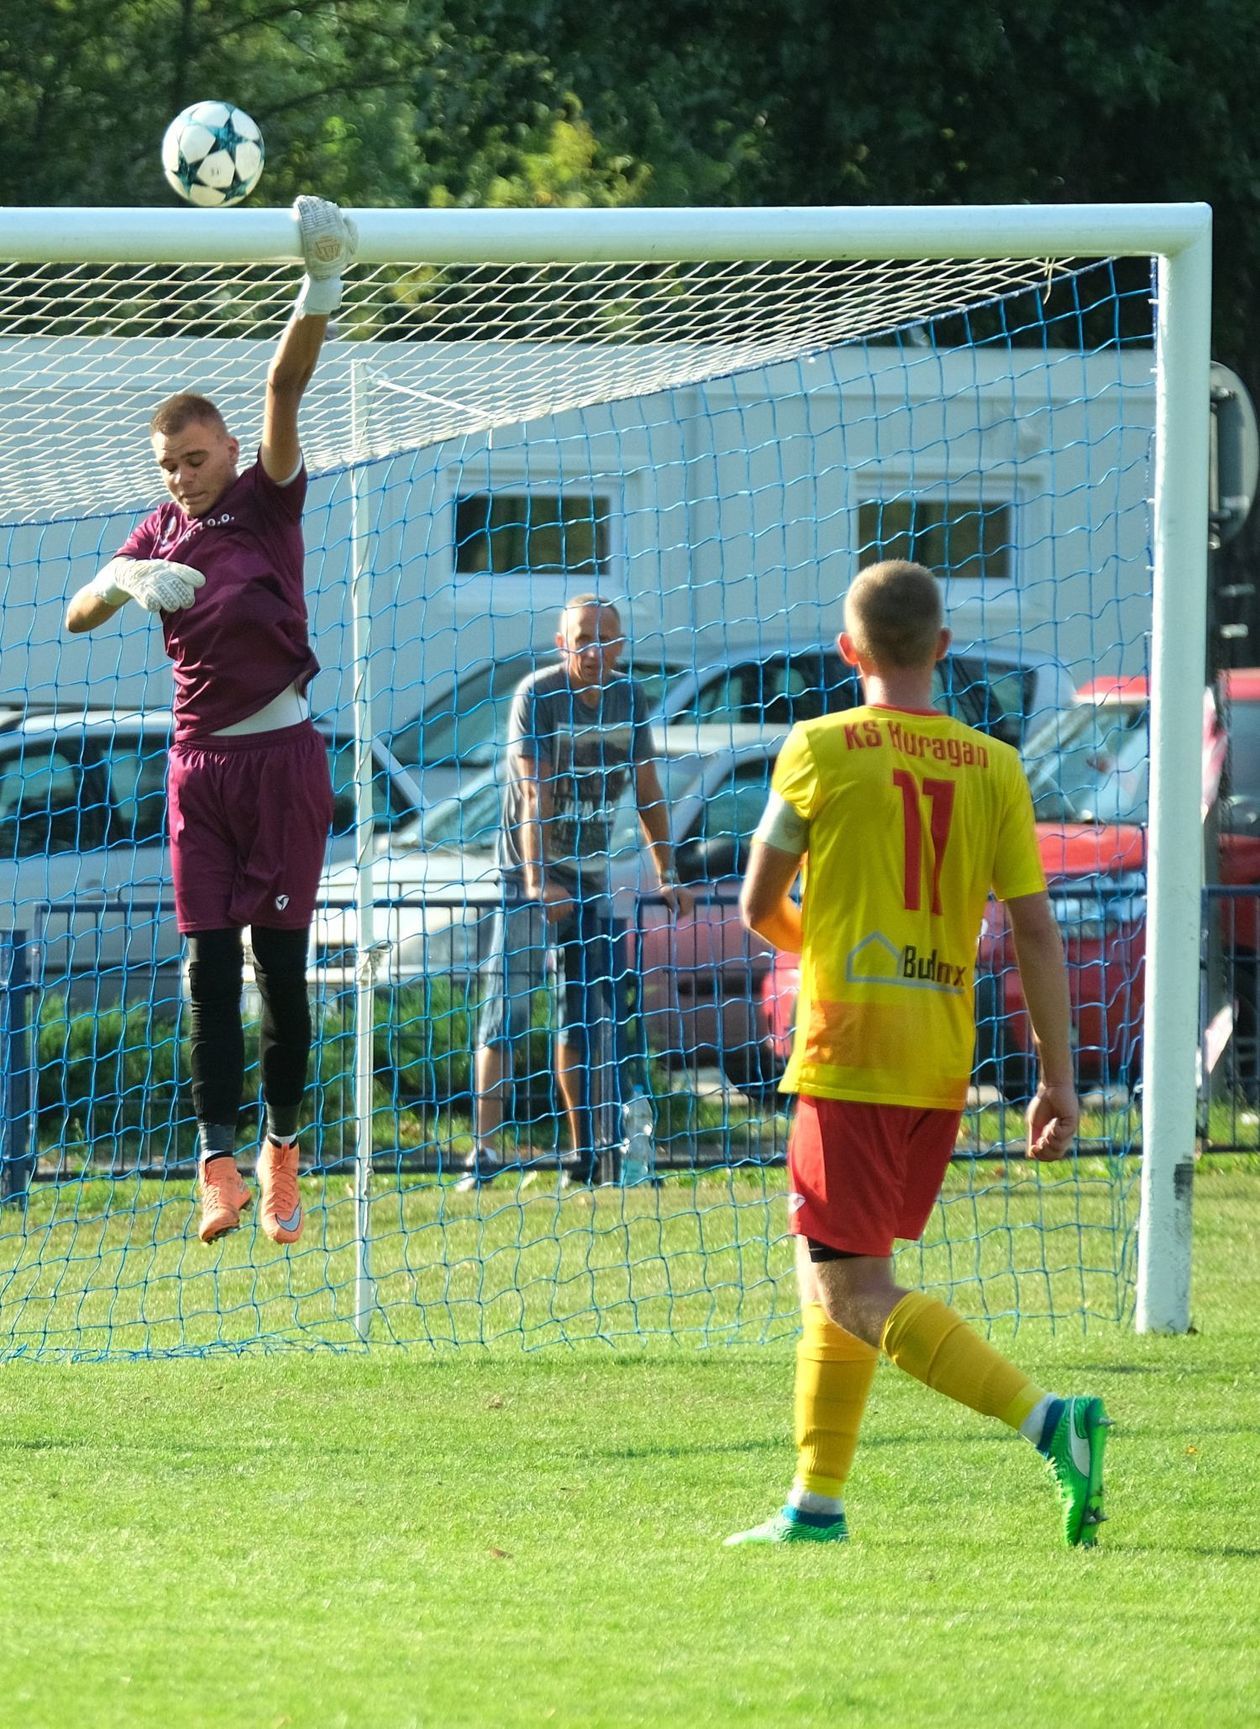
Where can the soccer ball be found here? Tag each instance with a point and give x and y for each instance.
(212, 153)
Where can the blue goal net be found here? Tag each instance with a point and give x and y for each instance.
(714, 448)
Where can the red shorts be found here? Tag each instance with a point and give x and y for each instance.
(861, 1175)
(249, 820)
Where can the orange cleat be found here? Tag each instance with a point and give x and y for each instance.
(277, 1180)
(224, 1198)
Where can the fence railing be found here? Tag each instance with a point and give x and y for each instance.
(69, 1044)
(102, 1016)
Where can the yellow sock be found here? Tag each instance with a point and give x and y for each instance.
(930, 1341)
(833, 1377)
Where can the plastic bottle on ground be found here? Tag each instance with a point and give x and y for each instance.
(638, 1149)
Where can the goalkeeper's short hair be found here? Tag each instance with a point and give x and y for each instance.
(185, 409)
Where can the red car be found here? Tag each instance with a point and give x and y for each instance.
(1089, 773)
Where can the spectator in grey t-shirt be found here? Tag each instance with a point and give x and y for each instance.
(577, 739)
(590, 749)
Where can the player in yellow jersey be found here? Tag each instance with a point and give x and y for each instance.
(900, 820)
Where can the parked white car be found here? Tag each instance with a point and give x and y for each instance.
(84, 867)
(436, 888)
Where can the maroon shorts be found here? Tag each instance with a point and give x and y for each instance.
(861, 1175)
(249, 820)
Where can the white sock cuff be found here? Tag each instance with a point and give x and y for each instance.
(806, 1501)
(1035, 1421)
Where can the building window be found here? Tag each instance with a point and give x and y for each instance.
(534, 533)
(961, 538)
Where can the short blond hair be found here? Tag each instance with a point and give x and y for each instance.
(894, 613)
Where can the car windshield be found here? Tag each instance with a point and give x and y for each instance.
(1091, 764)
(470, 820)
(389, 807)
(790, 685)
(469, 720)
(470, 712)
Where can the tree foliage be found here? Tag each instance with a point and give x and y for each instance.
(535, 102)
(686, 102)
(379, 102)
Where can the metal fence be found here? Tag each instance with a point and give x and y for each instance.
(91, 1043)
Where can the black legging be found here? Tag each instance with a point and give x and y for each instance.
(217, 1039)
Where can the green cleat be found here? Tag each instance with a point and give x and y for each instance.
(790, 1527)
(1074, 1455)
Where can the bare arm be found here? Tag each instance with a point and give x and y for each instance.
(654, 821)
(86, 610)
(1054, 1113)
(765, 902)
(291, 370)
(329, 241)
(539, 802)
(540, 807)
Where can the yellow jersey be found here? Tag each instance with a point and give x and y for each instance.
(911, 818)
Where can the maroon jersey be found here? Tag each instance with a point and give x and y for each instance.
(244, 639)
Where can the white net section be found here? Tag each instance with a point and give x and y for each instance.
(86, 351)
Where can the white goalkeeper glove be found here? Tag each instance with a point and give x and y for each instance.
(329, 243)
(159, 584)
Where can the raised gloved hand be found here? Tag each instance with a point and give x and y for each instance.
(329, 243)
(158, 584)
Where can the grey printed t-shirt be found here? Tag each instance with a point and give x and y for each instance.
(587, 753)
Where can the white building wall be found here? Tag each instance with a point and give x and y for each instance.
(734, 519)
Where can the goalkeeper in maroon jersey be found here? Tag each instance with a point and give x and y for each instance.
(901, 821)
(249, 799)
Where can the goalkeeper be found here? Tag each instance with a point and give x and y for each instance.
(903, 819)
(249, 799)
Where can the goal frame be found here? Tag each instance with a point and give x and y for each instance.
(1176, 235)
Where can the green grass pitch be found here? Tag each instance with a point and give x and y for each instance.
(487, 1536)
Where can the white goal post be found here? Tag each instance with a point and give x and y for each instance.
(1176, 236)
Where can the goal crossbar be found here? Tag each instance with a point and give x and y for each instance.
(624, 236)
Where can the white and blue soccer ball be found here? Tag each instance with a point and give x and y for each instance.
(212, 153)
